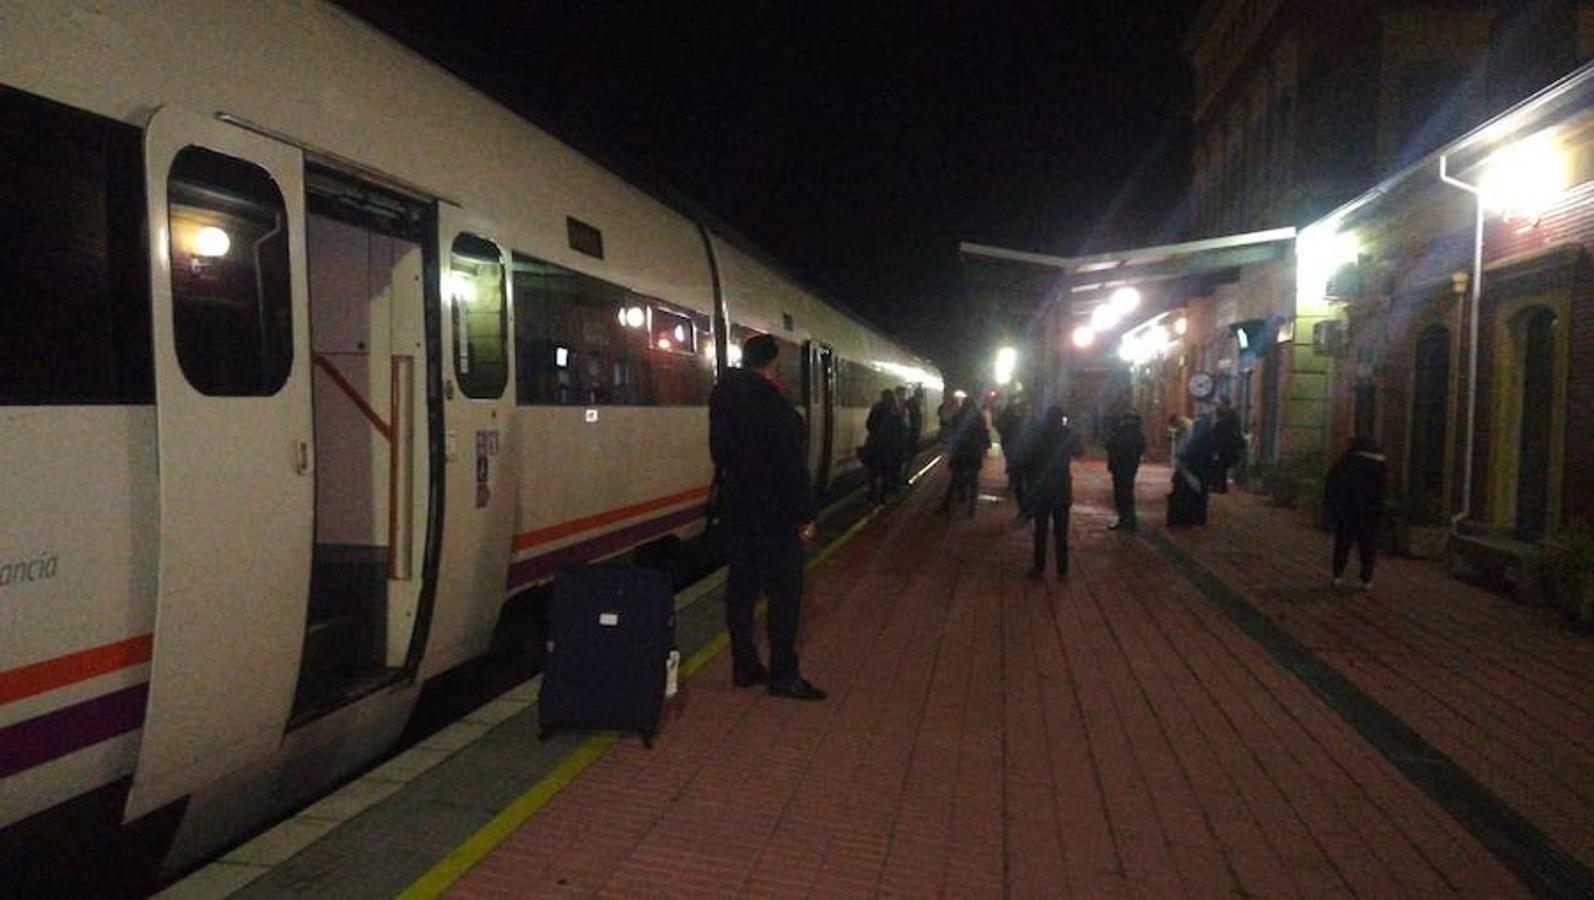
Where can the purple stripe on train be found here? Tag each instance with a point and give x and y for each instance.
(36, 741)
(539, 567)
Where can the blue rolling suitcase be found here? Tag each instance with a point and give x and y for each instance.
(610, 635)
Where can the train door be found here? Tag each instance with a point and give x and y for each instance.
(826, 371)
(479, 487)
(365, 252)
(232, 379)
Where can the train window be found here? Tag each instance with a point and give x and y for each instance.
(476, 296)
(583, 341)
(75, 276)
(788, 365)
(232, 306)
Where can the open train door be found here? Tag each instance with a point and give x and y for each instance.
(232, 382)
(478, 400)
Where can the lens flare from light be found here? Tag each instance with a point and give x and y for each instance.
(1006, 362)
(1084, 336)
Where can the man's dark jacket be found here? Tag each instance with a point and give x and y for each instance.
(1354, 493)
(756, 439)
(1048, 473)
(1125, 448)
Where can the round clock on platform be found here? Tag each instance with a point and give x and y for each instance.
(1201, 385)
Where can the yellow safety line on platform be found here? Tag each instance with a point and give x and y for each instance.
(476, 847)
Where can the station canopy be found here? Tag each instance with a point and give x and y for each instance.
(1019, 287)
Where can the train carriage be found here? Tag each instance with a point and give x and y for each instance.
(315, 357)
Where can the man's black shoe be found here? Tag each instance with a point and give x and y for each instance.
(797, 689)
(748, 679)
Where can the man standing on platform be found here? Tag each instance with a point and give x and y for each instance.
(768, 508)
(1125, 446)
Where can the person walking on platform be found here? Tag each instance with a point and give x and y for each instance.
(969, 440)
(1354, 500)
(769, 511)
(888, 435)
(1049, 486)
(1010, 428)
(1228, 446)
(1125, 446)
(1187, 503)
(1178, 435)
(915, 420)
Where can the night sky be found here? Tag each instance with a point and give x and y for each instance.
(858, 142)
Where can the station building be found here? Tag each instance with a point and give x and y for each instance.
(1446, 311)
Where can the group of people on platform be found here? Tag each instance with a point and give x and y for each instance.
(765, 499)
(895, 427)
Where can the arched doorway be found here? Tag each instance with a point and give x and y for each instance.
(1430, 411)
(1538, 338)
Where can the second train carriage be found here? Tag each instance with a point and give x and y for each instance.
(314, 357)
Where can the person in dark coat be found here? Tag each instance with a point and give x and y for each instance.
(968, 440)
(1010, 428)
(1049, 482)
(888, 438)
(1228, 446)
(915, 420)
(1353, 498)
(769, 511)
(1125, 446)
(1187, 504)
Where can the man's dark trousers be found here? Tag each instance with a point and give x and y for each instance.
(1058, 516)
(1365, 538)
(772, 566)
(1123, 496)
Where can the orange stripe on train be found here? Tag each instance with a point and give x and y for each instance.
(576, 526)
(49, 674)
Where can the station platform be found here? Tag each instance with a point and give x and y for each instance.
(1189, 713)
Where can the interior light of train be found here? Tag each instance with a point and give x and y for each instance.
(1084, 336)
(1105, 317)
(1525, 178)
(1124, 300)
(664, 344)
(561, 357)
(635, 317)
(211, 241)
(462, 287)
(733, 355)
(1181, 325)
(680, 334)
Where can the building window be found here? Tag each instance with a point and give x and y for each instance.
(75, 274)
(232, 292)
(1537, 411)
(1430, 408)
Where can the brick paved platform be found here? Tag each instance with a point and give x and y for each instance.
(1115, 735)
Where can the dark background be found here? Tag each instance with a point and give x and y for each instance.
(858, 142)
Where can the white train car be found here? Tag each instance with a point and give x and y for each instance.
(315, 356)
